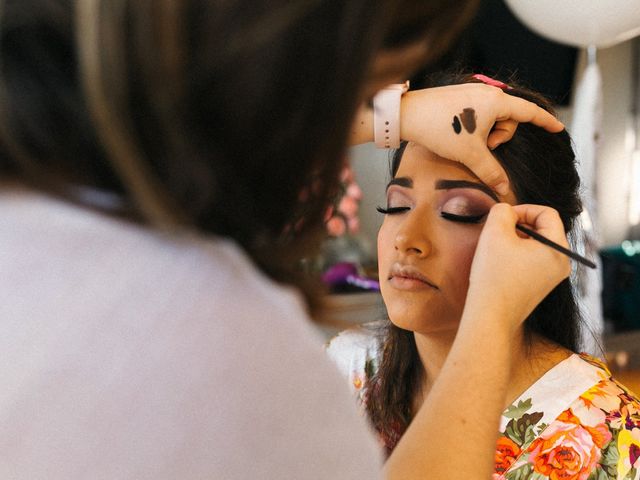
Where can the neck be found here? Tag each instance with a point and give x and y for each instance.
(433, 350)
(528, 361)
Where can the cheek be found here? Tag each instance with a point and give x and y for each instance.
(385, 248)
(460, 253)
(386, 256)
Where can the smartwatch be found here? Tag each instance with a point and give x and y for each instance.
(386, 115)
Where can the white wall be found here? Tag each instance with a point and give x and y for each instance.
(372, 166)
(613, 169)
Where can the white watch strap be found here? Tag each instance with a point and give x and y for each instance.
(386, 115)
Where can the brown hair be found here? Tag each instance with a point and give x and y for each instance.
(211, 116)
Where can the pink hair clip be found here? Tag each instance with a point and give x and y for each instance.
(491, 81)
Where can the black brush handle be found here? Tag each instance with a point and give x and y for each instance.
(555, 246)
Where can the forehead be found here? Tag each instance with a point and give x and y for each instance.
(423, 166)
(420, 163)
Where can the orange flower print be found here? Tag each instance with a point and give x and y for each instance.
(605, 395)
(507, 451)
(567, 450)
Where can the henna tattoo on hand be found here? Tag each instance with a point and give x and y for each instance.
(456, 125)
(466, 119)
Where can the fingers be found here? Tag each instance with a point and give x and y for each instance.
(488, 170)
(544, 220)
(503, 217)
(502, 132)
(523, 111)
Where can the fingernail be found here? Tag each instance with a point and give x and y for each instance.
(502, 188)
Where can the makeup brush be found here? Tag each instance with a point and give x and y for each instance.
(555, 246)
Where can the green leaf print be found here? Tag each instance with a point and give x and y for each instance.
(610, 471)
(516, 411)
(529, 436)
(537, 476)
(522, 431)
(610, 455)
(529, 422)
(599, 474)
(513, 433)
(521, 473)
(632, 475)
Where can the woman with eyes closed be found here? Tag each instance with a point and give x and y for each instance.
(563, 411)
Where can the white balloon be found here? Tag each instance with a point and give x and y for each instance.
(580, 22)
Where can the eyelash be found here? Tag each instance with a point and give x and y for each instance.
(392, 210)
(447, 216)
(472, 219)
(463, 218)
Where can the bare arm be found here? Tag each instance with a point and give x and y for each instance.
(453, 435)
(427, 115)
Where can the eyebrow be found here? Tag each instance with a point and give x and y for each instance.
(450, 184)
(446, 185)
(401, 182)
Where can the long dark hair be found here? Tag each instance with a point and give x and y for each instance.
(209, 116)
(541, 169)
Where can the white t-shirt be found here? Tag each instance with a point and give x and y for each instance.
(128, 354)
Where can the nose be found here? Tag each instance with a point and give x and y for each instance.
(412, 237)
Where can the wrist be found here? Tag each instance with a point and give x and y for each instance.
(406, 115)
(489, 316)
(414, 114)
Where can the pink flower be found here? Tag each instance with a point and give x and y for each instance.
(343, 217)
(567, 450)
(336, 226)
(354, 191)
(354, 224)
(348, 207)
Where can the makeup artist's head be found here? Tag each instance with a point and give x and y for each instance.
(425, 250)
(210, 116)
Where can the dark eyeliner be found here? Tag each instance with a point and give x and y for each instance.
(463, 218)
(392, 210)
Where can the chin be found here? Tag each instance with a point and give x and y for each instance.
(424, 323)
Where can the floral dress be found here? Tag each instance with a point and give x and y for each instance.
(575, 422)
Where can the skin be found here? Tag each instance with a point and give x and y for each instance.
(419, 242)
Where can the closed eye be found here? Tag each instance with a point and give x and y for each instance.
(463, 218)
(392, 210)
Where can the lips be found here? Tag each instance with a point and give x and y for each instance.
(407, 275)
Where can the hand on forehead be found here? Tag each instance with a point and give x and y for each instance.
(422, 160)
